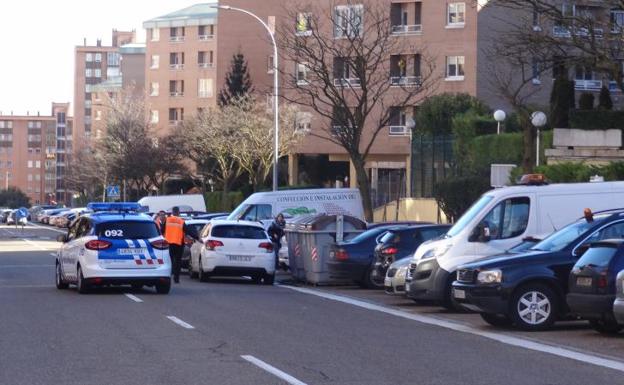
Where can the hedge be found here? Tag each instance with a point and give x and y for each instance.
(596, 119)
(571, 172)
(214, 201)
(456, 194)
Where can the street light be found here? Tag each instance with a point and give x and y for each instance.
(275, 83)
(499, 116)
(538, 119)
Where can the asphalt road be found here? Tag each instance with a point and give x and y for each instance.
(235, 332)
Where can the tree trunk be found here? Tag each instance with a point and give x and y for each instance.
(364, 185)
(224, 195)
(528, 156)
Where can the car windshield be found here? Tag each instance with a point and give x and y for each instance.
(240, 210)
(372, 233)
(127, 230)
(598, 256)
(557, 241)
(238, 231)
(469, 215)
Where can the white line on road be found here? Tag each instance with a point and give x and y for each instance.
(135, 298)
(502, 338)
(180, 322)
(23, 266)
(53, 254)
(273, 370)
(49, 228)
(34, 244)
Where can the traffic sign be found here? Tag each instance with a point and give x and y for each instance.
(22, 212)
(112, 191)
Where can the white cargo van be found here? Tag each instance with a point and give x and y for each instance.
(264, 206)
(186, 202)
(500, 219)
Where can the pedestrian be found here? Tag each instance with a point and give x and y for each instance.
(161, 219)
(276, 232)
(174, 231)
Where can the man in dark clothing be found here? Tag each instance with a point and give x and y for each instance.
(276, 232)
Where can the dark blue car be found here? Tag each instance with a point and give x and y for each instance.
(353, 260)
(529, 289)
(592, 284)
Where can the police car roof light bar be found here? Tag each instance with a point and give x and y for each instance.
(114, 206)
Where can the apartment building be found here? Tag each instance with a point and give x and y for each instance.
(180, 71)
(32, 153)
(94, 65)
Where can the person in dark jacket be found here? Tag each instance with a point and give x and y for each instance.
(276, 232)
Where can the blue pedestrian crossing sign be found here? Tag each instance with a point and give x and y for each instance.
(112, 191)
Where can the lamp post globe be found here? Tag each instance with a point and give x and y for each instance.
(499, 116)
(539, 120)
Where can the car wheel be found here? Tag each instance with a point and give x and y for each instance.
(163, 288)
(499, 320)
(370, 281)
(606, 327)
(203, 276)
(534, 307)
(60, 283)
(81, 282)
(449, 302)
(268, 279)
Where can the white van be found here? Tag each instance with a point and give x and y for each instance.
(500, 219)
(264, 206)
(186, 202)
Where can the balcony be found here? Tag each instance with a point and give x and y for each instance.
(563, 31)
(174, 123)
(176, 39)
(206, 37)
(205, 65)
(406, 81)
(347, 82)
(176, 94)
(400, 131)
(176, 66)
(587, 85)
(413, 29)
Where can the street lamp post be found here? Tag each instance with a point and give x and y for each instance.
(499, 116)
(275, 84)
(538, 119)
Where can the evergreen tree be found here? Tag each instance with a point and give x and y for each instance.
(604, 100)
(237, 81)
(586, 101)
(561, 102)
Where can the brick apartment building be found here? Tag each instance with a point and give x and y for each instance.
(33, 150)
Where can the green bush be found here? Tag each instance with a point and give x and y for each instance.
(456, 194)
(604, 100)
(436, 113)
(571, 172)
(488, 149)
(596, 119)
(14, 198)
(586, 101)
(214, 201)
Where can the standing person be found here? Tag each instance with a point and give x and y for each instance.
(276, 232)
(174, 230)
(161, 219)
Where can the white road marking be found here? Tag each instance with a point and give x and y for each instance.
(135, 298)
(180, 322)
(20, 266)
(53, 254)
(48, 228)
(273, 370)
(33, 244)
(502, 338)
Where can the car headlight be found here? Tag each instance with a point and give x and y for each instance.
(436, 252)
(490, 276)
(402, 271)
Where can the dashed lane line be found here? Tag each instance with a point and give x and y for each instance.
(134, 298)
(586, 358)
(178, 321)
(273, 370)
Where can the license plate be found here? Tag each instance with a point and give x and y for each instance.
(240, 258)
(387, 282)
(332, 254)
(460, 294)
(407, 287)
(583, 281)
(132, 251)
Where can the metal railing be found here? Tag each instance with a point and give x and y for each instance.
(409, 81)
(206, 37)
(176, 66)
(205, 65)
(581, 84)
(406, 29)
(399, 131)
(176, 93)
(344, 82)
(564, 31)
(176, 38)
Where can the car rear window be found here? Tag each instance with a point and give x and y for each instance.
(127, 230)
(238, 231)
(599, 256)
(196, 227)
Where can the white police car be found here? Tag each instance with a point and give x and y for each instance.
(114, 245)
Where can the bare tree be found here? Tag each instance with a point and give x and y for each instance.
(346, 59)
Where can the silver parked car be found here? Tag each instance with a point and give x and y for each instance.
(618, 305)
(394, 283)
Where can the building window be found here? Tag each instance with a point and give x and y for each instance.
(38, 164)
(303, 122)
(456, 14)
(270, 64)
(154, 116)
(98, 57)
(113, 59)
(176, 115)
(348, 20)
(154, 89)
(98, 115)
(176, 87)
(302, 73)
(176, 60)
(97, 72)
(30, 164)
(204, 89)
(88, 72)
(205, 32)
(617, 20)
(155, 62)
(204, 59)
(88, 57)
(176, 34)
(537, 69)
(155, 34)
(303, 25)
(455, 68)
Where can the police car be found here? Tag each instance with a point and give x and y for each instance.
(114, 245)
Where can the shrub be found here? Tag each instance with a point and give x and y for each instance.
(435, 114)
(596, 120)
(214, 201)
(586, 101)
(456, 194)
(604, 100)
(561, 102)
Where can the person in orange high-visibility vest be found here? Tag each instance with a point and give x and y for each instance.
(174, 231)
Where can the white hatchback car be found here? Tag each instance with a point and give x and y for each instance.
(233, 248)
(395, 276)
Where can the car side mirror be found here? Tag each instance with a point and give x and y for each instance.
(62, 238)
(481, 234)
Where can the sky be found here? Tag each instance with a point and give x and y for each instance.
(37, 40)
